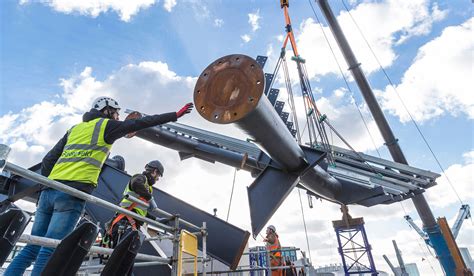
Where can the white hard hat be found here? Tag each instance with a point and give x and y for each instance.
(102, 102)
(271, 227)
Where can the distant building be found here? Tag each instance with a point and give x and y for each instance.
(467, 257)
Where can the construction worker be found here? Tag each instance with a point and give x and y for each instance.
(139, 186)
(76, 160)
(274, 247)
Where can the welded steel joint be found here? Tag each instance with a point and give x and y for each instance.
(229, 88)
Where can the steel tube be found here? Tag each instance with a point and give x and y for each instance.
(162, 135)
(47, 242)
(204, 249)
(230, 90)
(159, 238)
(166, 138)
(142, 264)
(79, 194)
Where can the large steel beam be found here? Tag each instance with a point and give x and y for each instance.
(230, 90)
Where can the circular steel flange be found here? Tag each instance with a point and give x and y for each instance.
(229, 89)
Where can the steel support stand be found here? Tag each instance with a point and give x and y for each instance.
(176, 248)
(348, 239)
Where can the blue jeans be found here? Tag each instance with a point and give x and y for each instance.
(56, 216)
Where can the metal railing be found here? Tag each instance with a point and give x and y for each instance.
(173, 231)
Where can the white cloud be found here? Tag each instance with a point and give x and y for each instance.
(246, 38)
(461, 177)
(218, 22)
(200, 9)
(254, 19)
(396, 22)
(169, 5)
(126, 9)
(439, 80)
(468, 157)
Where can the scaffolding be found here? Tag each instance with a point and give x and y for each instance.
(173, 233)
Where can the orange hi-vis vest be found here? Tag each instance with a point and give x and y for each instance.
(274, 248)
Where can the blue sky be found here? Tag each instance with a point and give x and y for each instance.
(56, 56)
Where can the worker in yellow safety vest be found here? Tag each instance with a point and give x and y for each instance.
(76, 160)
(274, 247)
(140, 186)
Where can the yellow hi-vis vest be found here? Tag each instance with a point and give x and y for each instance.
(125, 203)
(84, 154)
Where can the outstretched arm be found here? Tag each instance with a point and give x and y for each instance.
(118, 129)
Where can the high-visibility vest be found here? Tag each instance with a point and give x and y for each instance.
(84, 154)
(142, 211)
(274, 249)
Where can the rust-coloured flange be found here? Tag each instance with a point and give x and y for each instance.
(229, 88)
(132, 116)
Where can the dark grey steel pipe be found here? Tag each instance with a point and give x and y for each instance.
(269, 131)
(180, 143)
(230, 90)
(391, 142)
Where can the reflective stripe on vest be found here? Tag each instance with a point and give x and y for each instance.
(142, 211)
(84, 154)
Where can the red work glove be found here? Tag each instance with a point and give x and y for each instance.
(185, 110)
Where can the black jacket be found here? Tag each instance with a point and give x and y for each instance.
(137, 184)
(113, 131)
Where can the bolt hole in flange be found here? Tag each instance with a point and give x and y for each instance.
(229, 88)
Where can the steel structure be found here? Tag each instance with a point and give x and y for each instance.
(429, 224)
(463, 214)
(401, 271)
(353, 245)
(109, 193)
(355, 179)
(174, 230)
